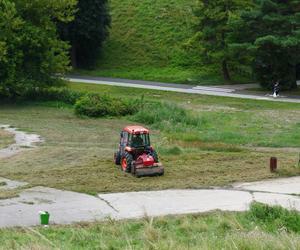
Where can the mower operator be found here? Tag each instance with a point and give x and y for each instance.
(137, 141)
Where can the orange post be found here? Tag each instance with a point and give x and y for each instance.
(273, 164)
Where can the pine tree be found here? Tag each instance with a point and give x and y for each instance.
(271, 34)
(213, 27)
(87, 32)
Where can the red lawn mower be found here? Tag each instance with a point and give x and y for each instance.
(136, 155)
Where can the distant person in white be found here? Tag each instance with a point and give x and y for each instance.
(276, 89)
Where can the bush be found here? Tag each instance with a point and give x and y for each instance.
(161, 114)
(274, 218)
(64, 95)
(95, 105)
(175, 150)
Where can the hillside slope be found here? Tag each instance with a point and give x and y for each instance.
(149, 41)
(149, 32)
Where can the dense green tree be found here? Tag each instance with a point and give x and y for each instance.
(10, 24)
(270, 33)
(213, 28)
(31, 52)
(87, 32)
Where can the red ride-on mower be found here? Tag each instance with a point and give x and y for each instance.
(136, 155)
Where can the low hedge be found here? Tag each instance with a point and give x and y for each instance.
(64, 95)
(96, 105)
(85, 104)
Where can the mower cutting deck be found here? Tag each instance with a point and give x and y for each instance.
(136, 155)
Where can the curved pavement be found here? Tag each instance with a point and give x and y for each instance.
(67, 207)
(224, 91)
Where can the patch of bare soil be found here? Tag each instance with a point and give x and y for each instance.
(22, 141)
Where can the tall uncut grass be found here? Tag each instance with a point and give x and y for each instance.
(262, 227)
(165, 116)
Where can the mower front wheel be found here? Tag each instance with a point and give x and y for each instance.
(155, 156)
(133, 169)
(126, 162)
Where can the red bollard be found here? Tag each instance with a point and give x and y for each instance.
(273, 164)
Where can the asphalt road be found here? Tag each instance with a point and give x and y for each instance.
(235, 91)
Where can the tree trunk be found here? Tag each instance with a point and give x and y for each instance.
(225, 70)
(73, 56)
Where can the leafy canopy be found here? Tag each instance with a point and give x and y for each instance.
(87, 31)
(30, 51)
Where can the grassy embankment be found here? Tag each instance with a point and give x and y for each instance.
(149, 41)
(202, 141)
(261, 228)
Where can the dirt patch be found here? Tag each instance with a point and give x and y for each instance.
(6, 139)
(6, 184)
(279, 150)
(292, 116)
(208, 108)
(22, 141)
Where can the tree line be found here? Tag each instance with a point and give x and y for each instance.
(39, 37)
(42, 39)
(261, 34)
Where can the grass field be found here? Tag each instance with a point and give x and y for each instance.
(5, 139)
(261, 228)
(215, 141)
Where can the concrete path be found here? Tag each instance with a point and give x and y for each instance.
(225, 91)
(64, 207)
(69, 207)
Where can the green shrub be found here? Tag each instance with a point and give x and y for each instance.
(175, 150)
(163, 115)
(95, 105)
(64, 95)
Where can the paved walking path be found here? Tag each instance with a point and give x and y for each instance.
(67, 207)
(225, 91)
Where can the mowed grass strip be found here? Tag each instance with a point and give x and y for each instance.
(6, 139)
(190, 100)
(78, 155)
(262, 227)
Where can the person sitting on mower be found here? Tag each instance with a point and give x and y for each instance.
(137, 141)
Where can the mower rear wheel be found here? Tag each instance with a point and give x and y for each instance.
(126, 162)
(117, 157)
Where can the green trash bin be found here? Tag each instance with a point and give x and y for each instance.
(44, 216)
